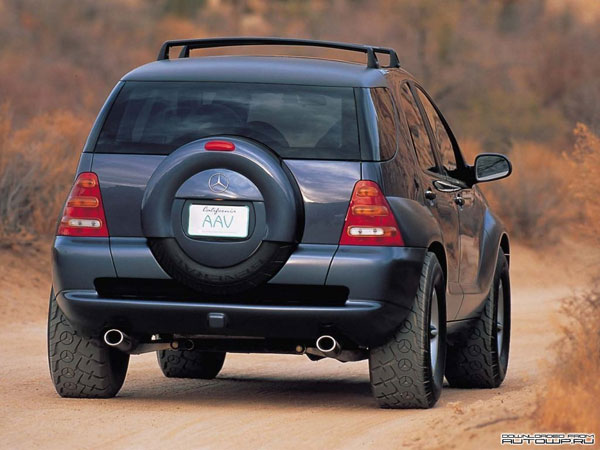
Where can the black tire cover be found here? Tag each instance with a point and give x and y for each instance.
(282, 203)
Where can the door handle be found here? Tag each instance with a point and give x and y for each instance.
(430, 195)
(444, 186)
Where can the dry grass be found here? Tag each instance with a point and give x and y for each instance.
(549, 193)
(569, 401)
(535, 202)
(585, 161)
(37, 163)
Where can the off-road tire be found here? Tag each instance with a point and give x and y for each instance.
(82, 367)
(473, 359)
(401, 370)
(190, 363)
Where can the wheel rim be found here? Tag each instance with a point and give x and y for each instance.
(434, 325)
(500, 318)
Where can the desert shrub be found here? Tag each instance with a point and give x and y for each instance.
(569, 401)
(36, 168)
(534, 202)
(584, 185)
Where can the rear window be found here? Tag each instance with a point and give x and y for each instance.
(313, 122)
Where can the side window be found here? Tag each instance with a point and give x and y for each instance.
(440, 133)
(386, 122)
(418, 131)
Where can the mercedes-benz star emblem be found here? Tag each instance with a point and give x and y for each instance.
(218, 183)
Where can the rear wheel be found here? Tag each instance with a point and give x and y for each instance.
(478, 358)
(82, 367)
(190, 363)
(408, 370)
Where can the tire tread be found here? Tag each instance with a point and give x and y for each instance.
(472, 358)
(399, 369)
(190, 363)
(81, 367)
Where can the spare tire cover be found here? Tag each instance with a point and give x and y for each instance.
(279, 233)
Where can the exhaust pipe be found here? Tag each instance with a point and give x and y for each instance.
(329, 346)
(119, 340)
(186, 344)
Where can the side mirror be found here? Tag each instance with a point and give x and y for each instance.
(491, 166)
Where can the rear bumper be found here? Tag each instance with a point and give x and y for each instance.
(381, 281)
(363, 322)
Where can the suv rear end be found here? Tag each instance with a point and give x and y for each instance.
(238, 215)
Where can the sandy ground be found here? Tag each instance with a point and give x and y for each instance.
(267, 401)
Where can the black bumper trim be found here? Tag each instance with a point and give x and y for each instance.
(365, 322)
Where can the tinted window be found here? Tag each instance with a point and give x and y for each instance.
(295, 121)
(418, 131)
(440, 133)
(386, 122)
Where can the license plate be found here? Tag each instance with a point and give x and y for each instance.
(218, 221)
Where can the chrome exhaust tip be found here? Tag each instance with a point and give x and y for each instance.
(114, 337)
(119, 340)
(329, 346)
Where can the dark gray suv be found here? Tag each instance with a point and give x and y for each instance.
(279, 205)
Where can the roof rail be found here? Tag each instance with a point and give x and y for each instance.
(192, 44)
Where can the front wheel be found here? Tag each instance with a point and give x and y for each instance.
(408, 370)
(478, 357)
(190, 363)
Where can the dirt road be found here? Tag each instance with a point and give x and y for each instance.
(263, 400)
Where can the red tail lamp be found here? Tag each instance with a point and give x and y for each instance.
(83, 214)
(370, 220)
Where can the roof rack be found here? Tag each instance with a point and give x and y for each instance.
(192, 44)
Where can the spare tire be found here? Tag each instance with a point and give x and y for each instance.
(276, 218)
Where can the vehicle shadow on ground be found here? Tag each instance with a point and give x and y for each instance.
(271, 391)
(284, 391)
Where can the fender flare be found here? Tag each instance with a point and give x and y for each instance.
(491, 244)
(418, 226)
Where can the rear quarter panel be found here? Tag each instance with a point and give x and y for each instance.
(123, 180)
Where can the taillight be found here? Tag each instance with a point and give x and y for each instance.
(370, 220)
(84, 214)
